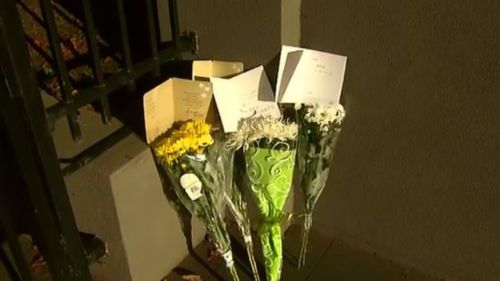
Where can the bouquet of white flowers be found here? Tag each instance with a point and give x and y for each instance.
(319, 129)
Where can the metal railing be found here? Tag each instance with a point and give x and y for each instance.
(26, 125)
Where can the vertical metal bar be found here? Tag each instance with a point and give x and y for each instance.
(45, 227)
(174, 21)
(122, 21)
(152, 35)
(127, 57)
(93, 48)
(35, 154)
(15, 248)
(63, 76)
(55, 244)
(7, 229)
(9, 267)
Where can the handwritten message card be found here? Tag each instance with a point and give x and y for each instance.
(309, 76)
(172, 101)
(242, 96)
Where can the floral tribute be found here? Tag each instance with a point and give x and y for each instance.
(190, 158)
(269, 154)
(319, 129)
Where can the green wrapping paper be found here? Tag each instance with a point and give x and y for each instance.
(269, 169)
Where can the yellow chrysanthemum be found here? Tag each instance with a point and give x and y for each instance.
(191, 137)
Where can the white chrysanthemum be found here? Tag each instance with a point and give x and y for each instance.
(325, 115)
(254, 129)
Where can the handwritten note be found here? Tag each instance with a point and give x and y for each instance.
(172, 101)
(309, 76)
(245, 95)
(191, 99)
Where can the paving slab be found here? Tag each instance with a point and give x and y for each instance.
(318, 245)
(413, 275)
(191, 266)
(218, 265)
(342, 262)
(198, 264)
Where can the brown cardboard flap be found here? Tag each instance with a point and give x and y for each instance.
(175, 100)
(204, 69)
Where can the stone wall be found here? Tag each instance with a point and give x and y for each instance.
(415, 176)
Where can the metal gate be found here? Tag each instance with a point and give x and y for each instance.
(32, 178)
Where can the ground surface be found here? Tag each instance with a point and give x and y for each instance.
(329, 259)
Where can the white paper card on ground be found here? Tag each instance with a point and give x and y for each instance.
(174, 100)
(238, 97)
(309, 76)
(205, 69)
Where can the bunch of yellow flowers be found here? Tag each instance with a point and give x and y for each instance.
(192, 137)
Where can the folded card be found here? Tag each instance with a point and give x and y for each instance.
(242, 96)
(205, 69)
(309, 76)
(172, 101)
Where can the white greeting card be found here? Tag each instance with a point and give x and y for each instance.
(242, 96)
(309, 76)
(172, 101)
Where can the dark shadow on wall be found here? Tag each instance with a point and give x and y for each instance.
(415, 175)
(247, 31)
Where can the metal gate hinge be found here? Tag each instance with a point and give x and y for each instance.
(194, 37)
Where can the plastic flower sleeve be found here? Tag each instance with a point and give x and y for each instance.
(269, 151)
(238, 207)
(217, 172)
(269, 170)
(183, 157)
(206, 209)
(319, 129)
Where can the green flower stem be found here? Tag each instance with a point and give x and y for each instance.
(305, 239)
(251, 257)
(205, 209)
(240, 214)
(234, 273)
